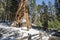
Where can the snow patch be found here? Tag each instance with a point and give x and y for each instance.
(12, 33)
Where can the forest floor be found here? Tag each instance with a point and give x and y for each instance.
(14, 33)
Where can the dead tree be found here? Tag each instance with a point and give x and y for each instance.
(22, 17)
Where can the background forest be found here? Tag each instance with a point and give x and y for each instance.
(41, 15)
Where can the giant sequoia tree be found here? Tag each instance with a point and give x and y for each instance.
(21, 17)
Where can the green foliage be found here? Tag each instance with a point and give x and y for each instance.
(39, 23)
(2, 8)
(8, 9)
(54, 24)
(39, 9)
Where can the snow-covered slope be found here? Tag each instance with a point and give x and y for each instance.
(12, 33)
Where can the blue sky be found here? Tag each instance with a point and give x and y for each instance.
(46, 1)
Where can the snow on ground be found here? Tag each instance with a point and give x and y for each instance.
(33, 24)
(12, 33)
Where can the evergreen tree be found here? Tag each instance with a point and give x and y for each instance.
(8, 9)
(45, 15)
(50, 8)
(2, 9)
(33, 11)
